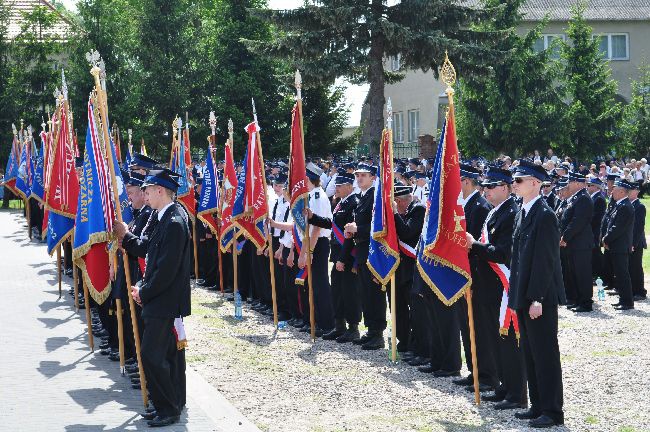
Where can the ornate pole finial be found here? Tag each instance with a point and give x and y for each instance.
(448, 74)
(187, 120)
(94, 59)
(29, 130)
(389, 114)
(179, 123)
(64, 85)
(298, 84)
(14, 130)
(43, 124)
(130, 132)
(22, 125)
(212, 121)
(230, 126)
(254, 110)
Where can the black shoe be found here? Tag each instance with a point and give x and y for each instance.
(283, 316)
(131, 361)
(613, 292)
(506, 405)
(408, 355)
(419, 361)
(624, 307)
(571, 306)
(543, 422)
(374, 343)
(363, 339)
(427, 369)
(135, 386)
(350, 335)
(160, 421)
(527, 415)
(297, 323)
(230, 297)
(443, 373)
(639, 297)
(103, 346)
(495, 397)
(331, 335)
(468, 380)
(616, 304)
(200, 282)
(583, 309)
(267, 312)
(106, 351)
(149, 415)
(114, 356)
(320, 332)
(305, 329)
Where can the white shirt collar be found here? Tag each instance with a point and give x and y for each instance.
(464, 201)
(526, 207)
(162, 211)
(635, 199)
(347, 196)
(364, 192)
(594, 194)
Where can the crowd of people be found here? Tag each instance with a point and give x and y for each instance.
(539, 233)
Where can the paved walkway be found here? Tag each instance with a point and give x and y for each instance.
(49, 379)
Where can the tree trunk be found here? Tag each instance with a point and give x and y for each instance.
(373, 123)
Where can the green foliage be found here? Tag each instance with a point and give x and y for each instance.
(636, 118)
(516, 107)
(593, 114)
(350, 38)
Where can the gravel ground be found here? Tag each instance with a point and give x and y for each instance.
(283, 382)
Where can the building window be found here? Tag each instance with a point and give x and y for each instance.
(398, 127)
(414, 125)
(394, 62)
(546, 41)
(614, 46)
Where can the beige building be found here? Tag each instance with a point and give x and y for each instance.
(623, 27)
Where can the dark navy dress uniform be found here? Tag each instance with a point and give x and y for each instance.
(575, 230)
(600, 206)
(639, 244)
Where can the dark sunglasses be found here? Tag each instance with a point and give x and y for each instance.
(493, 185)
(520, 180)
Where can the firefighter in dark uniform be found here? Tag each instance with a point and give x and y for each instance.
(536, 290)
(577, 238)
(164, 293)
(608, 271)
(638, 244)
(345, 294)
(618, 241)
(476, 210)
(594, 188)
(373, 298)
(409, 219)
(492, 252)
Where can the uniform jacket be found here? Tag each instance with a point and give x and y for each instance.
(363, 218)
(599, 213)
(575, 224)
(620, 227)
(535, 268)
(476, 210)
(342, 215)
(165, 287)
(551, 199)
(487, 287)
(638, 236)
(409, 228)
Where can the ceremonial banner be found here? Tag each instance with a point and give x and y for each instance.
(62, 190)
(383, 257)
(96, 213)
(23, 179)
(442, 250)
(229, 187)
(297, 176)
(38, 182)
(143, 149)
(209, 200)
(181, 165)
(11, 172)
(127, 212)
(251, 207)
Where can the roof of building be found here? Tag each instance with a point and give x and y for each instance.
(597, 10)
(60, 30)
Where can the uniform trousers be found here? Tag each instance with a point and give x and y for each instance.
(569, 288)
(292, 290)
(403, 282)
(345, 296)
(208, 264)
(159, 358)
(280, 293)
(373, 298)
(486, 328)
(621, 268)
(608, 270)
(579, 262)
(636, 273)
(261, 277)
(420, 334)
(542, 358)
(321, 285)
(597, 263)
(443, 322)
(511, 369)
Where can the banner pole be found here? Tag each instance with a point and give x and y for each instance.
(91, 340)
(393, 318)
(58, 266)
(75, 281)
(95, 71)
(120, 331)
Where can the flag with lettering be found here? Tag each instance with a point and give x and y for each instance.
(442, 254)
(228, 188)
(22, 180)
(383, 257)
(62, 190)
(251, 208)
(297, 175)
(96, 213)
(209, 199)
(181, 165)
